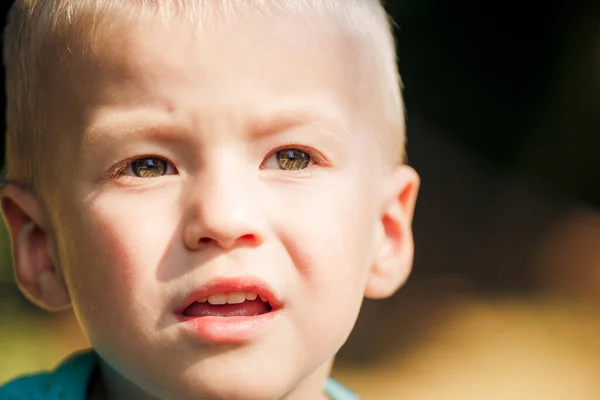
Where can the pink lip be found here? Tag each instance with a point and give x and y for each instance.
(229, 329)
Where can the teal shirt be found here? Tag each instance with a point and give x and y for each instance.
(70, 382)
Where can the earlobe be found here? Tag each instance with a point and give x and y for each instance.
(395, 246)
(35, 269)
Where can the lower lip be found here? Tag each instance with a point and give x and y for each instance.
(228, 330)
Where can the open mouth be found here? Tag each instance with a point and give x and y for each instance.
(229, 310)
(229, 304)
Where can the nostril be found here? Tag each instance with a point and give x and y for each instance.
(248, 238)
(244, 240)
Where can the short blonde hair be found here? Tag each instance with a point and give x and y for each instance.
(36, 27)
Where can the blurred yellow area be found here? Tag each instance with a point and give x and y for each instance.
(504, 350)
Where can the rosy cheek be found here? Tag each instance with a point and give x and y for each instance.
(325, 233)
(125, 248)
(110, 266)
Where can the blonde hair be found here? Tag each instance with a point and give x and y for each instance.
(40, 31)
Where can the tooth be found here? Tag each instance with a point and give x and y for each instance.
(264, 300)
(236, 297)
(251, 295)
(218, 298)
(202, 300)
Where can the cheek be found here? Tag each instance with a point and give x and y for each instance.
(113, 260)
(327, 229)
(327, 233)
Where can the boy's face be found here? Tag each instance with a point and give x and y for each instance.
(174, 190)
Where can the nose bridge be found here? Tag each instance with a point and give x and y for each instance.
(222, 203)
(221, 194)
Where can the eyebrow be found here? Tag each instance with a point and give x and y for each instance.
(268, 125)
(115, 131)
(291, 119)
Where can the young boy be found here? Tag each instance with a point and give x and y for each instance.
(213, 186)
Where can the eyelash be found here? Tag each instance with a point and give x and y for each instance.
(316, 158)
(117, 170)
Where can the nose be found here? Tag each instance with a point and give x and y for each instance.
(223, 212)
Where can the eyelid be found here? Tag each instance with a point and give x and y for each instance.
(117, 169)
(316, 156)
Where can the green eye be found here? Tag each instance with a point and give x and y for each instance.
(292, 159)
(149, 167)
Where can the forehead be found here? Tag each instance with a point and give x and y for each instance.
(255, 56)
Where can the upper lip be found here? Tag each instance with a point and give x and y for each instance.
(238, 284)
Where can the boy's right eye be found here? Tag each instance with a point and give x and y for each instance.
(149, 167)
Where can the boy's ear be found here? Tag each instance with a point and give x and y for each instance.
(395, 247)
(35, 268)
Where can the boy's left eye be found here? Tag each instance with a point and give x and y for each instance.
(288, 159)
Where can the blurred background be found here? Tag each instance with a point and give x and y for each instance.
(503, 106)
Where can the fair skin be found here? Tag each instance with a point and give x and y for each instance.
(126, 251)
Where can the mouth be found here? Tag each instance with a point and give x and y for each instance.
(228, 298)
(230, 311)
(229, 304)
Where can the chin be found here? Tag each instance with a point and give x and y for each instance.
(235, 389)
(235, 384)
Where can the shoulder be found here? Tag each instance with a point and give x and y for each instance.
(68, 381)
(26, 387)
